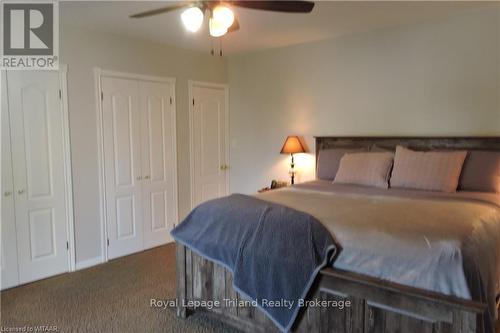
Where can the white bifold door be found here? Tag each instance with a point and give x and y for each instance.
(8, 255)
(138, 120)
(34, 208)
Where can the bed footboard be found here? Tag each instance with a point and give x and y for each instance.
(369, 304)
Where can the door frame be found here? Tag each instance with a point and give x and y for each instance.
(99, 73)
(68, 177)
(191, 85)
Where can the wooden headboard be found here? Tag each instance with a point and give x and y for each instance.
(416, 143)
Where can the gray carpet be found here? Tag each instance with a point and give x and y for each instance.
(113, 297)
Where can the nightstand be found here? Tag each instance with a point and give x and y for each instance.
(275, 184)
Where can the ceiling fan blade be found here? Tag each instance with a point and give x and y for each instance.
(276, 6)
(160, 10)
(234, 27)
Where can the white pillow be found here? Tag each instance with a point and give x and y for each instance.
(369, 169)
(429, 171)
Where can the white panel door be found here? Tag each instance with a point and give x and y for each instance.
(38, 166)
(8, 255)
(209, 143)
(122, 164)
(158, 162)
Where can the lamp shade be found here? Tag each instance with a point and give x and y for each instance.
(292, 145)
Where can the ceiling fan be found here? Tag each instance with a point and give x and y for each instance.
(221, 18)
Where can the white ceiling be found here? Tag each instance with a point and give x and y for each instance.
(259, 29)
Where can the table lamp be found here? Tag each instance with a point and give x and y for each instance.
(292, 146)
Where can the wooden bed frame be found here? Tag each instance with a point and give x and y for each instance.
(375, 305)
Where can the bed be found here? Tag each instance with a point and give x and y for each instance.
(387, 290)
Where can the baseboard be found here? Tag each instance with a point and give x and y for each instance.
(88, 263)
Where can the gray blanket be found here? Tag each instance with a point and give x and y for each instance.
(260, 243)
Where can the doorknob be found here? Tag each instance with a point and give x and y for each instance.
(7, 193)
(21, 191)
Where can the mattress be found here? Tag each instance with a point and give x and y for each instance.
(447, 243)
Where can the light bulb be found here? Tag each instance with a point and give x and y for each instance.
(224, 15)
(192, 18)
(216, 28)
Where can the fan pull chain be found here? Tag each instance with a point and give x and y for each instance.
(212, 51)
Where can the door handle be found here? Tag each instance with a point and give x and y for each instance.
(146, 177)
(21, 191)
(7, 193)
(224, 167)
(138, 178)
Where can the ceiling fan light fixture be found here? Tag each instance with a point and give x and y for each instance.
(224, 15)
(192, 18)
(216, 28)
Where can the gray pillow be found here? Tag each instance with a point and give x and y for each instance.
(380, 149)
(481, 172)
(329, 161)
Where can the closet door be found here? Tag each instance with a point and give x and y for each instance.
(38, 166)
(209, 143)
(158, 162)
(8, 256)
(122, 163)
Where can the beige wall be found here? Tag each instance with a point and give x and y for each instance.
(439, 78)
(82, 50)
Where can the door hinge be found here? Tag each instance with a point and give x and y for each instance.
(108, 241)
(170, 100)
(67, 245)
(102, 96)
(60, 94)
(193, 101)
